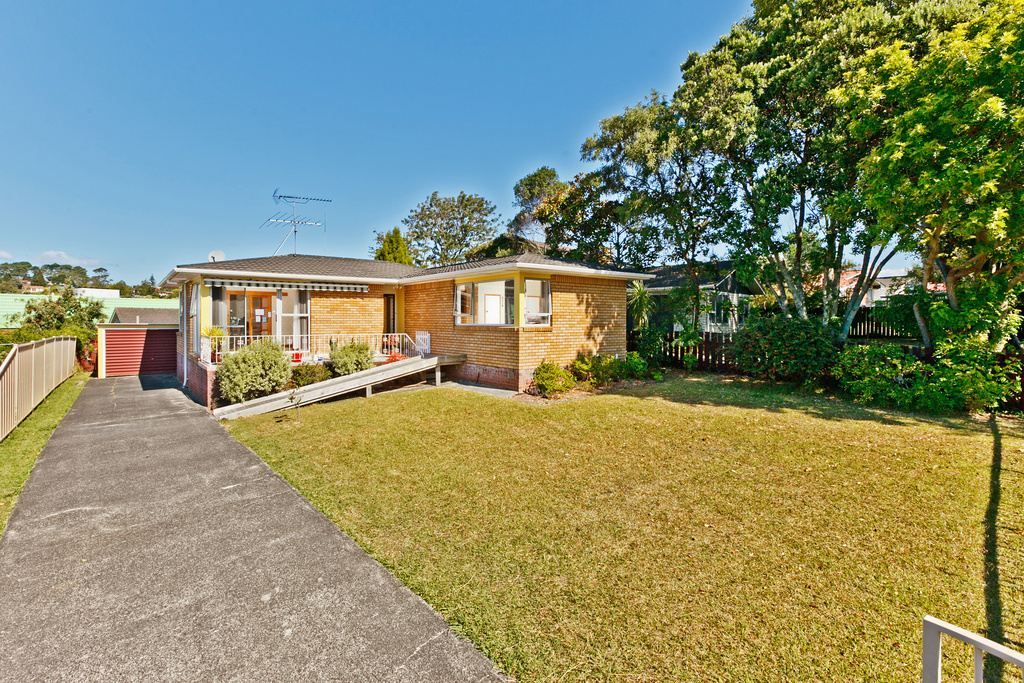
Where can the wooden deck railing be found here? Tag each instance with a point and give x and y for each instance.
(28, 374)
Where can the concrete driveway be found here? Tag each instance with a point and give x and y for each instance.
(149, 544)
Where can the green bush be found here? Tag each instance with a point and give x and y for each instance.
(650, 343)
(966, 375)
(784, 349)
(632, 366)
(258, 369)
(881, 374)
(350, 358)
(550, 380)
(85, 338)
(309, 373)
(602, 369)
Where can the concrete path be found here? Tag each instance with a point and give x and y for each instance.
(149, 544)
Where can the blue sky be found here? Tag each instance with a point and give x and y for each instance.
(135, 136)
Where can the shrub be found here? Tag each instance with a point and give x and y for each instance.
(85, 338)
(784, 349)
(309, 373)
(259, 369)
(632, 366)
(599, 370)
(550, 380)
(882, 374)
(351, 358)
(966, 375)
(650, 343)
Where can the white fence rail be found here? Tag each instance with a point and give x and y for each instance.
(28, 374)
(312, 347)
(931, 652)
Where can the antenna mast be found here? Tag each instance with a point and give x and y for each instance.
(293, 220)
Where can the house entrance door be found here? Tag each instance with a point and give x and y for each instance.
(261, 308)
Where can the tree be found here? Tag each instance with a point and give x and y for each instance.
(65, 309)
(671, 185)
(441, 230)
(64, 274)
(100, 277)
(529, 193)
(764, 93)
(392, 246)
(586, 223)
(147, 287)
(946, 131)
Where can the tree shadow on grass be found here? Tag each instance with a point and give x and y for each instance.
(743, 392)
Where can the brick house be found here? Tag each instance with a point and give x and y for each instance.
(506, 315)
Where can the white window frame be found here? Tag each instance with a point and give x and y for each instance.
(458, 314)
(544, 285)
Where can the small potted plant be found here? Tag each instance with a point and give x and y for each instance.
(216, 336)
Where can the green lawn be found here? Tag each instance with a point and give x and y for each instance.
(702, 528)
(18, 452)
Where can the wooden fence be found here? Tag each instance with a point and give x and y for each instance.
(711, 353)
(28, 374)
(867, 326)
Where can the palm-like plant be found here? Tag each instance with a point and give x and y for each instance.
(640, 302)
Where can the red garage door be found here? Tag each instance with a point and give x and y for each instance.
(139, 352)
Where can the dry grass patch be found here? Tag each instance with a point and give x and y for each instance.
(697, 529)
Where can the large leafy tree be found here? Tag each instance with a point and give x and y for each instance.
(442, 230)
(658, 162)
(528, 194)
(945, 122)
(392, 246)
(764, 94)
(588, 223)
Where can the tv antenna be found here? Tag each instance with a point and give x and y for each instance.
(293, 220)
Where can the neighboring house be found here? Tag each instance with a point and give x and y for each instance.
(98, 292)
(12, 306)
(144, 316)
(882, 288)
(726, 299)
(505, 314)
(26, 287)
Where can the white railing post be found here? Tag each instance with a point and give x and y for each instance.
(931, 653)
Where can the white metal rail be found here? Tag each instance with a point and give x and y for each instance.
(29, 373)
(312, 347)
(931, 657)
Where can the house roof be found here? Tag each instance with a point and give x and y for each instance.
(339, 269)
(306, 264)
(720, 274)
(132, 314)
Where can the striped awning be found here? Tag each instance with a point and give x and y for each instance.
(265, 284)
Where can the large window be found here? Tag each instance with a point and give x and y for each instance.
(295, 318)
(538, 302)
(485, 303)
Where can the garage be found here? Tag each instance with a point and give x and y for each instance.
(143, 344)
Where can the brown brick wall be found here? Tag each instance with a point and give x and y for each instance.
(348, 312)
(588, 316)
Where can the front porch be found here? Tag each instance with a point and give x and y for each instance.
(316, 348)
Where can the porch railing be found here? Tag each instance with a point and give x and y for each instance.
(931, 656)
(303, 348)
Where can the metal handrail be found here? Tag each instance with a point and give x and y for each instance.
(931, 650)
(311, 347)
